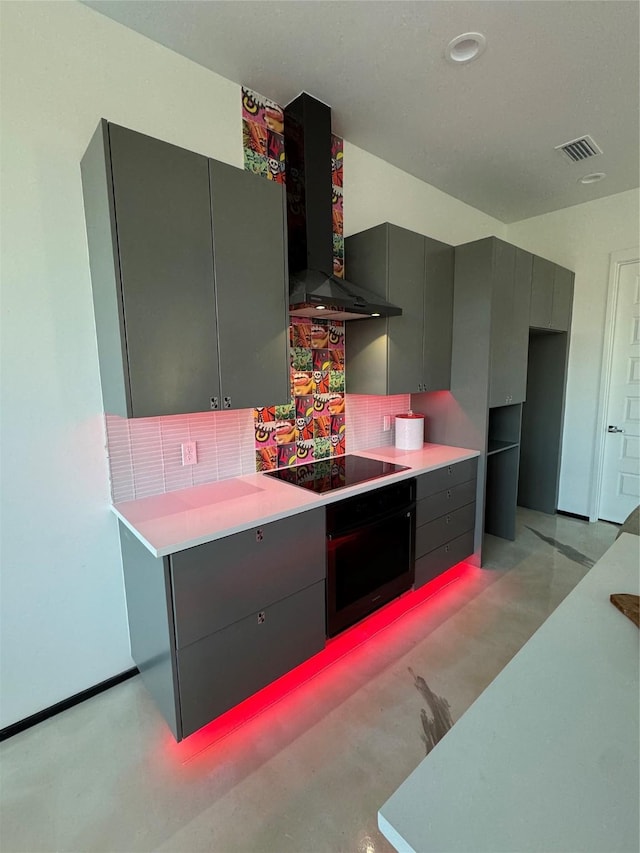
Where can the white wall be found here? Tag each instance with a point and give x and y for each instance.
(582, 239)
(64, 67)
(375, 191)
(63, 616)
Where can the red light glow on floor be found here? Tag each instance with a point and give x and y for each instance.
(335, 650)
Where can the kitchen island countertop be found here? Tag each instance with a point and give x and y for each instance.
(182, 519)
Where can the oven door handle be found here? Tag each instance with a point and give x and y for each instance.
(405, 512)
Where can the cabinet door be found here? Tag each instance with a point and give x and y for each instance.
(406, 289)
(438, 316)
(501, 343)
(519, 338)
(223, 669)
(541, 293)
(161, 198)
(251, 286)
(366, 341)
(562, 299)
(221, 582)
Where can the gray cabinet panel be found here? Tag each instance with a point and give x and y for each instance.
(445, 502)
(520, 326)
(435, 533)
(406, 289)
(501, 348)
(151, 627)
(366, 261)
(445, 477)
(366, 341)
(438, 315)
(221, 670)
(97, 190)
(502, 492)
(439, 560)
(222, 581)
(562, 299)
(164, 240)
(542, 420)
(541, 293)
(252, 297)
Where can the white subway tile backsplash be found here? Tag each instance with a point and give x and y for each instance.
(145, 454)
(365, 417)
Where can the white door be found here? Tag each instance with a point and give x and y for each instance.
(620, 491)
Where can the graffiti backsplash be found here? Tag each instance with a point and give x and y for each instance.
(312, 425)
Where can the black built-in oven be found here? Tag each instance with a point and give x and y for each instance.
(370, 552)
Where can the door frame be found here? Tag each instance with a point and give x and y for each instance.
(618, 261)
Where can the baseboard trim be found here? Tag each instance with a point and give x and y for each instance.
(572, 515)
(65, 704)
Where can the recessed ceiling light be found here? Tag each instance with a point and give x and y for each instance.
(320, 307)
(375, 315)
(593, 178)
(466, 47)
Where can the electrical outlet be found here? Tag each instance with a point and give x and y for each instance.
(386, 423)
(189, 453)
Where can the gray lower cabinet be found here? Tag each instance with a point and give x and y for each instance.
(221, 670)
(445, 518)
(410, 353)
(175, 241)
(213, 624)
(551, 296)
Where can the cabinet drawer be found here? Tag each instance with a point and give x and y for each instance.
(433, 564)
(220, 582)
(444, 529)
(445, 477)
(442, 503)
(221, 670)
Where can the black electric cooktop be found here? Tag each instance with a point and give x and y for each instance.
(326, 475)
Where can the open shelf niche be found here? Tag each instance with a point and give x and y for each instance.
(503, 457)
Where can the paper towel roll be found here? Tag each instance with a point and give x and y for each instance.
(409, 431)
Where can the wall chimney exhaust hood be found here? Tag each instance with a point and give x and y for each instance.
(314, 291)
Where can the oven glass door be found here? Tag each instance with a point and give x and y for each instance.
(367, 567)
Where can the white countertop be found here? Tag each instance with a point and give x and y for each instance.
(181, 519)
(546, 759)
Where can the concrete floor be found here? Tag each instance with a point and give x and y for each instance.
(309, 773)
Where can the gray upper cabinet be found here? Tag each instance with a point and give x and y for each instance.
(500, 275)
(184, 251)
(509, 324)
(410, 353)
(551, 296)
(249, 250)
(562, 299)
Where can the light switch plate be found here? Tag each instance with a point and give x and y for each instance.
(386, 423)
(189, 453)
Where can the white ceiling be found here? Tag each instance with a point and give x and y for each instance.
(485, 132)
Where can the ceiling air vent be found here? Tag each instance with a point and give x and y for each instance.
(579, 149)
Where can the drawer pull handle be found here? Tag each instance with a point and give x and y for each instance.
(448, 519)
(449, 469)
(259, 535)
(214, 402)
(261, 617)
(448, 493)
(446, 549)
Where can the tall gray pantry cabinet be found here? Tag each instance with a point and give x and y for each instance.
(188, 270)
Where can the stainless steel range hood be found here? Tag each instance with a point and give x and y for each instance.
(314, 290)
